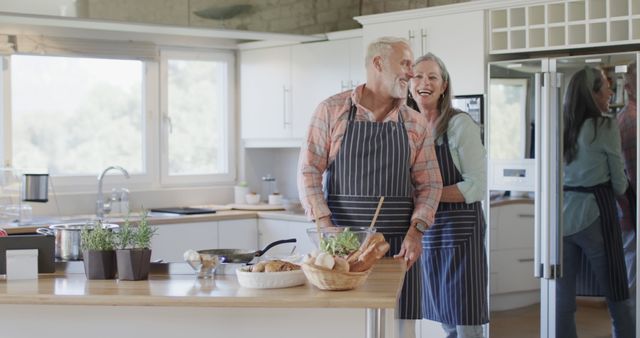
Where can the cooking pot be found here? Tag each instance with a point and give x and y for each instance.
(67, 239)
(242, 256)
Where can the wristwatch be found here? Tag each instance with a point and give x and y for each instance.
(420, 226)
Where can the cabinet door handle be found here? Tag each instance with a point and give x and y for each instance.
(526, 216)
(523, 260)
(423, 37)
(284, 106)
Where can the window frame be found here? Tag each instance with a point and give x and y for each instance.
(155, 130)
(193, 54)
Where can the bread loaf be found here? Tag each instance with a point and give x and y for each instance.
(374, 248)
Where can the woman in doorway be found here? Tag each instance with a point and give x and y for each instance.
(593, 173)
(454, 255)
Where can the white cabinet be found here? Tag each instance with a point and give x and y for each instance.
(271, 230)
(564, 24)
(458, 39)
(512, 251)
(320, 70)
(280, 87)
(238, 234)
(265, 85)
(172, 240)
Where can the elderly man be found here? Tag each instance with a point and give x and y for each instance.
(367, 143)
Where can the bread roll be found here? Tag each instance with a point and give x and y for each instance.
(274, 266)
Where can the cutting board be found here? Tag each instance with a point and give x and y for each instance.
(257, 207)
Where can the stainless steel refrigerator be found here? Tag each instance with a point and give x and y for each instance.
(524, 141)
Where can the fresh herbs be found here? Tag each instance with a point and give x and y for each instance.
(97, 238)
(341, 243)
(138, 237)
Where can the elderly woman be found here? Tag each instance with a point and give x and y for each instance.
(454, 255)
(593, 173)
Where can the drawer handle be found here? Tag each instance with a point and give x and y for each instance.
(526, 216)
(522, 260)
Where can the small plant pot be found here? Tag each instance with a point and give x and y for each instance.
(99, 264)
(133, 264)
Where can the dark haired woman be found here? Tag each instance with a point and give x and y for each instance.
(454, 255)
(593, 173)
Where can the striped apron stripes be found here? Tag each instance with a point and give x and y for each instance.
(586, 282)
(373, 161)
(454, 257)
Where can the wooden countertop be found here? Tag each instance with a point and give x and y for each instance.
(380, 291)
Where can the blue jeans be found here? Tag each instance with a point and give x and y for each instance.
(463, 331)
(590, 242)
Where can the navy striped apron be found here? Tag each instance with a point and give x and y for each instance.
(586, 281)
(373, 161)
(454, 257)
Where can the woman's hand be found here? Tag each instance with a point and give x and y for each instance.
(411, 248)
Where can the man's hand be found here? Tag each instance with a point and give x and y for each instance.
(411, 248)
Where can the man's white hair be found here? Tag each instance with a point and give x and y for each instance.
(383, 46)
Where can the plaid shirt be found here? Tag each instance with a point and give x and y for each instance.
(627, 122)
(327, 128)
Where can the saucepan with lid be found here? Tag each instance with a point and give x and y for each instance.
(242, 256)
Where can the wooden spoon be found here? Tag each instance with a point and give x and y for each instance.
(375, 216)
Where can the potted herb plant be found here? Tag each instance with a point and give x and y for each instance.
(133, 252)
(98, 252)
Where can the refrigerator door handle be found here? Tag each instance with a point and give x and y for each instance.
(556, 234)
(537, 257)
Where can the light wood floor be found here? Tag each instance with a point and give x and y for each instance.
(592, 321)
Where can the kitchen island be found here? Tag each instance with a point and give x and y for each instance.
(66, 304)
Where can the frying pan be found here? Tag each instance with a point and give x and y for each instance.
(242, 256)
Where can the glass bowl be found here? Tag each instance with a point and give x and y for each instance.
(204, 265)
(340, 241)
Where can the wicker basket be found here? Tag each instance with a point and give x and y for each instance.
(333, 280)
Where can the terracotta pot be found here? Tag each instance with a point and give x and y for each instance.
(133, 264)
(99, 264)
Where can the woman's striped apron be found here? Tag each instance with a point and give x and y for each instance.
(373, 161)
(454, 257)
(586, 281)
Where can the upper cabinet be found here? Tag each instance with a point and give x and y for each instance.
(282, 86)
(564, 24)
(457, 38)
(265, 89)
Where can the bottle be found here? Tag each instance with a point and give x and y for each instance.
(124, 201)
(268, 187)
(115, 201)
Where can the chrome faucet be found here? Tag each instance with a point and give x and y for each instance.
(100, 205)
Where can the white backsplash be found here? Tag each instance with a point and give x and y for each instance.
(281, 163)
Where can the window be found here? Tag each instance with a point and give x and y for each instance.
(168, 121)
(196, 117)
(76, 116)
